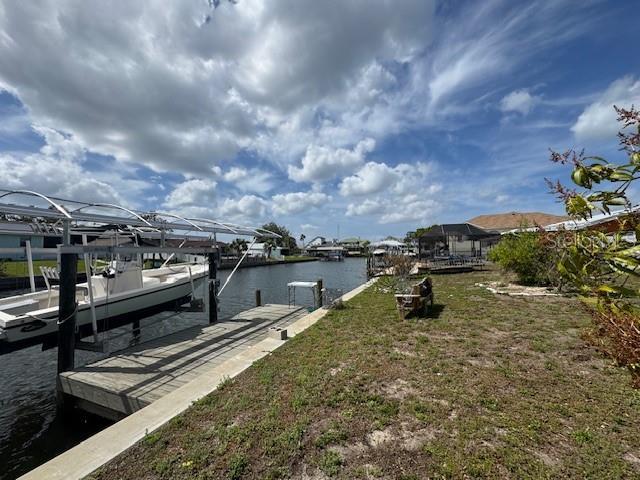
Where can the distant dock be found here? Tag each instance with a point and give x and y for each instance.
(131, 379)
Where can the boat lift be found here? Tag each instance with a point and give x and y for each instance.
(68, 217)
(315, 287)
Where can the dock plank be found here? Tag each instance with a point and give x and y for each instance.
(138, 375)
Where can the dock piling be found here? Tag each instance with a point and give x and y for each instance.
(213, 289)
(320, 288)
(67, 312)
(258, 298)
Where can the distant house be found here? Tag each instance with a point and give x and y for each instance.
(504, 222)
(462, 239)
(319, 247)
(265, 251)
(354, 246)
(316, 242)
(328, 251)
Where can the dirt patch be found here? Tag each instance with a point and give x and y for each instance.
(378, 438)
(515, 290)
(406, 353)
(408, 438)
(545, 458)
(632, 459)
(351, 450)
(481, 362)
(310, 473)
(336, 370)
(398, 389)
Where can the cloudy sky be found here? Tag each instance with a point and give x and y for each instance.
(377, 116)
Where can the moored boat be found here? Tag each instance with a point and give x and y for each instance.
(121, 293)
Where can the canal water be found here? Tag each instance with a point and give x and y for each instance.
(31, 432)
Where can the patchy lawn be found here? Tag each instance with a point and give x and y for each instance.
(489, 387)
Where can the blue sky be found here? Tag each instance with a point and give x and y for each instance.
(377, 117)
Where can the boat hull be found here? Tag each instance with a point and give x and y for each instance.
(118, 311)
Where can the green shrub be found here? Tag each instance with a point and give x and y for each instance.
(529, 256)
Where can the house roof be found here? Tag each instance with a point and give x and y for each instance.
(471, 231)
(595, 220)
(574, 224)
(510, 220)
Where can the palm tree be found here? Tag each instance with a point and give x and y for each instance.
(269, 245)
(238, 245)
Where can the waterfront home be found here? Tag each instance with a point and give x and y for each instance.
(463, 239)
(328, 251)
(354, 247)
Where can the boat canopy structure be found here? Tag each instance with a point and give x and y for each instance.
(122, 285)
(60, 212)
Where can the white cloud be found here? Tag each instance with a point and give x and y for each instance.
(323, 163)
(192, 193)
(518, 101)
(177, 85)
(411, 194)
(245, 207)
(198, 198)
(407, 208)
(308, 226)
(598, 120)
(412, 209)
(488, 41)
(367, 207)
(371, 178)
(297, 202)
(57, 177)
(58, 169)
(249, 180)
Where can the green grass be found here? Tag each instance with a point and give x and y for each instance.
(17, 268)
(487, 387)
(298, 258)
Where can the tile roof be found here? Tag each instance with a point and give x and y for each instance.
(511, 220)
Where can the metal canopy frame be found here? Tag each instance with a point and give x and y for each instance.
(73, 211)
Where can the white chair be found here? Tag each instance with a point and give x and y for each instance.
(50, 274)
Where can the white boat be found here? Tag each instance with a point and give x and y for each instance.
(121, 293)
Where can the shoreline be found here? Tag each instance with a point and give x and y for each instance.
(20, 283)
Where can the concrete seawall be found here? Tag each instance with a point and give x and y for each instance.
(91, 454)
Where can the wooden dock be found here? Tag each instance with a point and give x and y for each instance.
(131, 379)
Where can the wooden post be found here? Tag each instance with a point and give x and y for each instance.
(136, 331)
(258, 298)
(320, 287)
(213, 289)
(67, 312)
